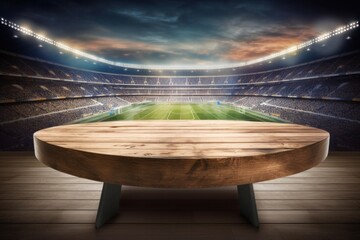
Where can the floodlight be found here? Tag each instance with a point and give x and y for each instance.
(292, 49)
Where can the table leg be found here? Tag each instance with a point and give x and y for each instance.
(247, 203)
(109, 203)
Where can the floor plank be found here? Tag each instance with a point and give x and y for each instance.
(37, 202)
(189, 204)
(95, 195)
(181, 231)
(287, 180)
(179, 216)
(257, 186)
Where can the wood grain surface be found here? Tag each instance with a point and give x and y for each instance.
(38, 202)
(181, 154)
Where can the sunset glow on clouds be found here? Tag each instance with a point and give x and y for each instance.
(180, 32)
(266, 45)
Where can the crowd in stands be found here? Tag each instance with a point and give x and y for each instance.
(19, 121)
(343, 87)
(24, 89)
(341, 119)
(29, 89)
(35, 94)
(24, 79)
(23, 66)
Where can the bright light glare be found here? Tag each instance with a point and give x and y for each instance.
(292, 49)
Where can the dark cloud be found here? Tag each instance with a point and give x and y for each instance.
(180, 31)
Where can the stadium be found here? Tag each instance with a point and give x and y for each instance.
(307, 91)
(46, 83)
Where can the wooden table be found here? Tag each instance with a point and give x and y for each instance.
(180, 154)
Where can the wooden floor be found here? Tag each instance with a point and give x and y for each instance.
(37, 202)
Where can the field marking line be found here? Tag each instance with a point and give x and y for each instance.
(208, 112)
(231, 117)
(138, 109)
(162, 111)
(222, 113)
(187, 105)
(252, 117)
(192, 109)
(167, 112)
(192, 113)
(180, 111)
(129, 111)
(147, 114)
(167, 118)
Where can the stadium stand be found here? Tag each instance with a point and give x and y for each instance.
(322, 92)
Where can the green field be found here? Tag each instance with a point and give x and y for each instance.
(180, 111)
(174, 111)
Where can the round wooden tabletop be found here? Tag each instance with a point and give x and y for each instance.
(181, 154)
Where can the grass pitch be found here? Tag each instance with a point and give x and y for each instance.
(171, 111)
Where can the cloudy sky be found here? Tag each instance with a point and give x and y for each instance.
(180, 32)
